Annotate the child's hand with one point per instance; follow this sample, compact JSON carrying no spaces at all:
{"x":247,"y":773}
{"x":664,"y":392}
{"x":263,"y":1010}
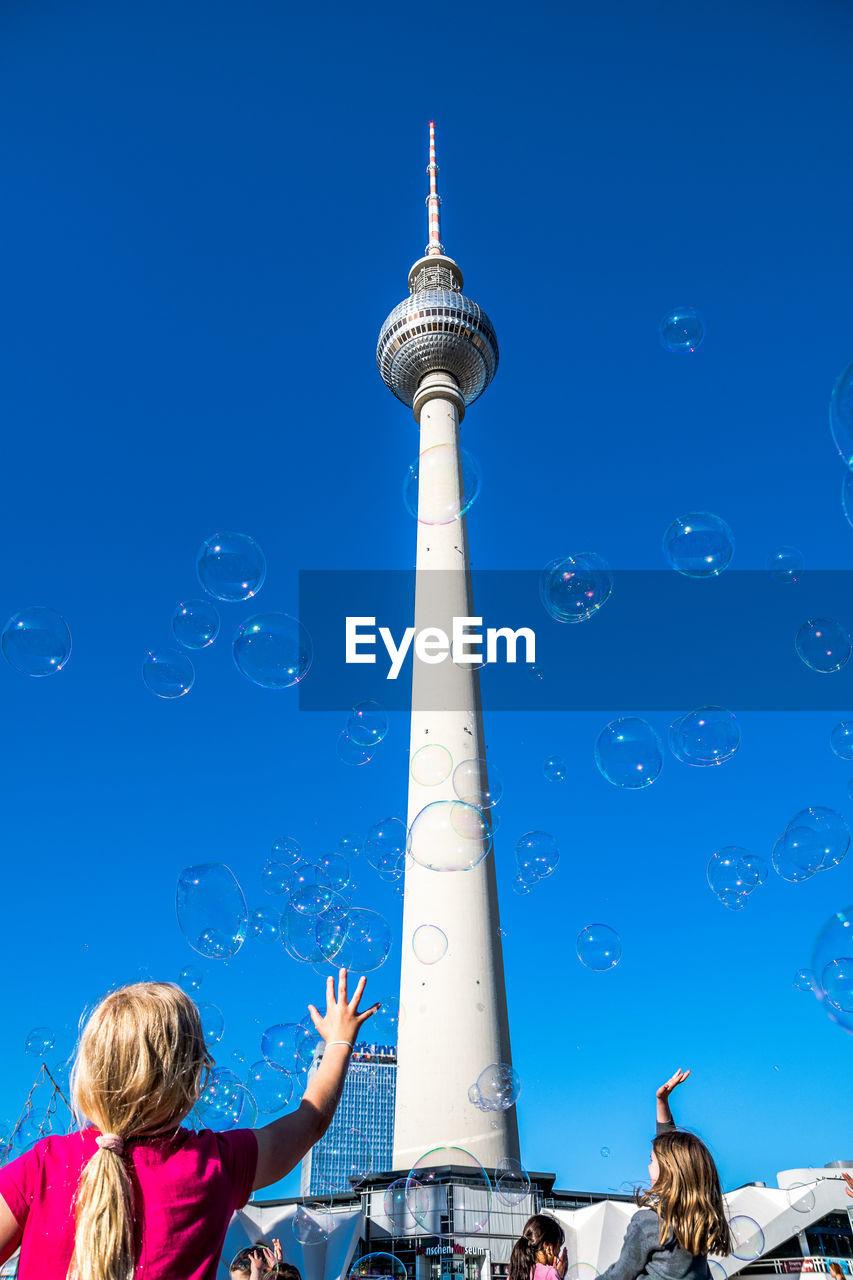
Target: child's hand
{"x":561,"y":1263}
{"x":342,"y":1020}
{"x":260,"y":1262}
{"x":276,"y":1248}
{"x":672,"y":1083}
{"x":849,"y":1181}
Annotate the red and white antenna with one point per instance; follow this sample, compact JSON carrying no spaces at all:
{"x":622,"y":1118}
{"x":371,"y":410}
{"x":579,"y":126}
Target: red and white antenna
{"x":435,"y":248}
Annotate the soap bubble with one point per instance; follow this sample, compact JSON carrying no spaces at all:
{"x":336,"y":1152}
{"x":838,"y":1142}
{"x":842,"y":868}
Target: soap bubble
{"x":431,"y":765}
{"x":440,"y":466}
{"x":287,"y":1045}
{"x":231,"y":566}
{"x":747,"y":1238}
{"x":801,"y":1197}
{"x":628,"y":753}
{"x":841,"y":740}
{"x":385,"y":1023}
{"x":273,"y":650}
{"x":349,"y":845}
{"x":804,"y":980}
{"x":396,"y":1208}
{"x":211,"y":910}
{"x":190,"y":978}
{"x":195,"y":624}
{"x":39,"y":1042}
{"x":556,"y":769}
{"x":834,"y":944}
{"x":312,"y":1223}
{"x":449,"y":835}
{"x":226,"y":1103}
{"x":520,"y":885}
{"x":512,"y":1181}
{"x":429,"y":943}
{"x":498,"y":1087}
{"x":582,"y":1270}
{"x":347,"y":1159}
{"x":599,"y":947}
{"x":605,"y":1151}
{"x":168,"y":673}
{"x":537,"y":855}
{"x":378,"y":1266}
{"x":367,"y":724}
{"x":682,"y":330}
{"x":385,"y":846}
{"x":831,"y":836}
{"x":272,"y":1087}
{"x":276,"y":878}
{"x":287,"y":851}
{"x":705,"y":737}
{"x":841,"y":414}
{"x":336,"y":870}
{"x":212,"y":1022}
{"x":837,"y":983}
{"x":717,"y":1270}
{"x":477,"y":783}
{"x":731,"y":876}
{"x":350,"y":753}
{"x":796,"y":856}
{"x":36,"y":641}
{"x":786,"y":564}
{"x":698,"y":545}
{"x":573,"y":588}
{"x":315,"y":939}
{"x":756,"y":866}
{"x":264,"y":924}
{"x":823,"y":644}
{"x":366,"y":943}
{"x":472,"y":1216}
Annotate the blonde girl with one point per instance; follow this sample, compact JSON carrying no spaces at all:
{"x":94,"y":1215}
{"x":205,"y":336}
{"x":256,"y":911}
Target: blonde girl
{"x":133,"y":1194}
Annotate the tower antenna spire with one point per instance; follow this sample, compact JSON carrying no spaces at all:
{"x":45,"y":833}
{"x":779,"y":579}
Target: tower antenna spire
{"x":435,"y":248}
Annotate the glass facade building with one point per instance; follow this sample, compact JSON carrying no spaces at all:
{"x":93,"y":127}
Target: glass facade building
{"x":360,"y":1139}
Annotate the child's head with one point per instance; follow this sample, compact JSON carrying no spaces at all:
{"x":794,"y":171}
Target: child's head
{"x":140,"y":1067}
{"x":685,"y":1190}
{"x":241,"y":1264}
{"x":540,"y":1241}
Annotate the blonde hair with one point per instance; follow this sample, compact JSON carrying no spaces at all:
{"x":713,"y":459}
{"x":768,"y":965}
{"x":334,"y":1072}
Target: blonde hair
{"x":687,"y":1196}
{"x":141,"y":1064}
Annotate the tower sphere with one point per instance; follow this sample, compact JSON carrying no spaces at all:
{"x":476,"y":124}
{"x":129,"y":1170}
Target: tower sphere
{"x":437,"y":329}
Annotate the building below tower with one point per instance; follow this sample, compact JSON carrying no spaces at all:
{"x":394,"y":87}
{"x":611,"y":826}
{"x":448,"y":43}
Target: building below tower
{"x":360,"y":1139}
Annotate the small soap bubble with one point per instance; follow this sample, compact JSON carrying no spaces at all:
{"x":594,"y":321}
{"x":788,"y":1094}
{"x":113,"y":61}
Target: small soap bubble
{"x":225,"y":1102}
{"x":39,"y":1042}
{"x":367,"y":724}
{"x":756,"y":866}
{"x":385,"y":1023}
{"x":477,"y":783}
{"x":605,"y":1151}
{"x":573,"y":588}
{"x":312,"y":1223}
{"x":271,"y":1086}
{"x":238,"y":1058}
{"x":449,"y":835}
{"x":747,"y":1238}
{"x":795,"y":855}
{"x":841,"y":740}
{"x":336,"y":870}
{"x":273,"y":650}
{"x":804,"y":980}
{"x":681,"y":330}
{"x":385,"y":846}
{"x":212,"y":1022}
{"x":350,"y":753}
{"x":705,"y":737}
{"x":276,"y":878}
{"x":168,"y":673}
{"x":732,"y":876}
{"x":512,"y":1181}
{"x":786,"y":564}
{"x":195,"y":624}
{"x":471,"y":1215}
{"x":520,"y":885}
{"x":537,"y":855}
{"x":823,"y":645}
{"x":231,"y":566}
{"x":315,"y":939}
{"x":190,"y":978}
{"x":349,"y":845}
{"x":378,"y":1266}
{"x":429,"y":943}
{"x":442,"y":501}
{"x":396,"y":1208}
{"x":801,"y":1197}
{"x":628,"y":753}
{"x":841,"y":414}
{"x":367,"y":942}
{"x":264,"y":924}
{"x":431,"y":765}
{"x":599,"y":947}
{"x":211,"y":910}
{"x":287,"y":851}
{"x":36,"y":641}
{"x":698,"y":545}
{"x":498,"y":1087}
{"x":556,"y":769}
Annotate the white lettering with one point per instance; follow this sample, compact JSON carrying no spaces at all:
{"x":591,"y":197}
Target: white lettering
{"x":354,"y":639}
{"x":397,"y":655}
{"x":432,"y":645}
{"x":462,"y":638}
{"x":511,"y":637}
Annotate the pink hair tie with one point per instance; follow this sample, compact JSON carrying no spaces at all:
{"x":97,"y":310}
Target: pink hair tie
{"x":111,"y":1142}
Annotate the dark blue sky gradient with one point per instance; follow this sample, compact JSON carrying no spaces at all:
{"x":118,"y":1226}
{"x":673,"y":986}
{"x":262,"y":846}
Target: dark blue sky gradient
{"x":208,"y":210}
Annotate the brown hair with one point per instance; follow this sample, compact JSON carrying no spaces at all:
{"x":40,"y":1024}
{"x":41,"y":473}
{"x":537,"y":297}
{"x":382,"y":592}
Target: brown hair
{"x":538,"y":1231}
{"x":141,"y":1065}
{"x":687,"y":1196}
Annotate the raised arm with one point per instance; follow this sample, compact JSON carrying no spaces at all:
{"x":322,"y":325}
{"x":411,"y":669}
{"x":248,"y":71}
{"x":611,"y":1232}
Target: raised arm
{"x":282,"y":1144}
{"x":663,"y":1117}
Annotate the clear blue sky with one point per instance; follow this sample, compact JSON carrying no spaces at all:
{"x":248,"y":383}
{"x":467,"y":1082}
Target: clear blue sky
{"x":208,"y":210}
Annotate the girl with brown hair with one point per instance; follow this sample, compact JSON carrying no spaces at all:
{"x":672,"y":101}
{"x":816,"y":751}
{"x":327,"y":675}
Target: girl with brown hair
{"x":538,"y":1253}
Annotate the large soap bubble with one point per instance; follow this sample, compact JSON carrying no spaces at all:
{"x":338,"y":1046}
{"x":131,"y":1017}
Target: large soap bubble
{"x":830,"y":832}
{"x":195,"y":624}
{"x":573,"y":588}
{"x":273,"y":650}
{"x":211,"y":910}
{"x":841,"y":414}
{"x":628,"y":753}
{"x":231,"y":566}
{"x":431,"y":765}
{"x":36,"y":641}
{"x":698,"y":545}
{"x":226,"y":1102}
{"x":378,"y":1266}
{"x":439,"y":467}
{"x":271,"y":1086}
{"x":599,"y":947}
{"x":512,"y":1181}
{"x":449,"y":835}
{"x":498,"y":1087}
{"x":288,"y":1046}
{"x":312,"y":1222}
{"x":315,"y":939}
{"x":477,"y":783}
{"x":786,"y":564}
{"x":168,"y":673}
{"x":705,"y":737}
{"x":366,"y":943}
{"x":427,"y":1205}
{"x":429,"y":943}
{"x":681,"y":330}
{"x":796,"y":855}
{"x":747,"y":1238}
{"x":823,"y":644}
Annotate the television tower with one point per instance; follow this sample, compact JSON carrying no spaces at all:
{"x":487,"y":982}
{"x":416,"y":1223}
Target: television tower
{"x":437,"y":352}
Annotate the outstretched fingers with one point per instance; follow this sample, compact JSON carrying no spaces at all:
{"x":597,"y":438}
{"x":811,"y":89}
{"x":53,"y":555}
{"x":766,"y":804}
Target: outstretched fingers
{"x":342,"y":986}
{"x":357,"y":994}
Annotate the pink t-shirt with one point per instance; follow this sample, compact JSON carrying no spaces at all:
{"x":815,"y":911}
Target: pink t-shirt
{"x":543,"y":1272}
{"x":186,"y":1187}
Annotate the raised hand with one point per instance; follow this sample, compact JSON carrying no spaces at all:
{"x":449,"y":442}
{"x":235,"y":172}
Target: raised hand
{"x":849,"y":1181}
{"x":342,"y":1019}
{"x":276,"y":1248}
{"x":672,"y":1083}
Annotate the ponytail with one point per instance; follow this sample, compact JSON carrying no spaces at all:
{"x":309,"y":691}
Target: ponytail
{"x":538,"y":1231}
{"x":103,"y":1238}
